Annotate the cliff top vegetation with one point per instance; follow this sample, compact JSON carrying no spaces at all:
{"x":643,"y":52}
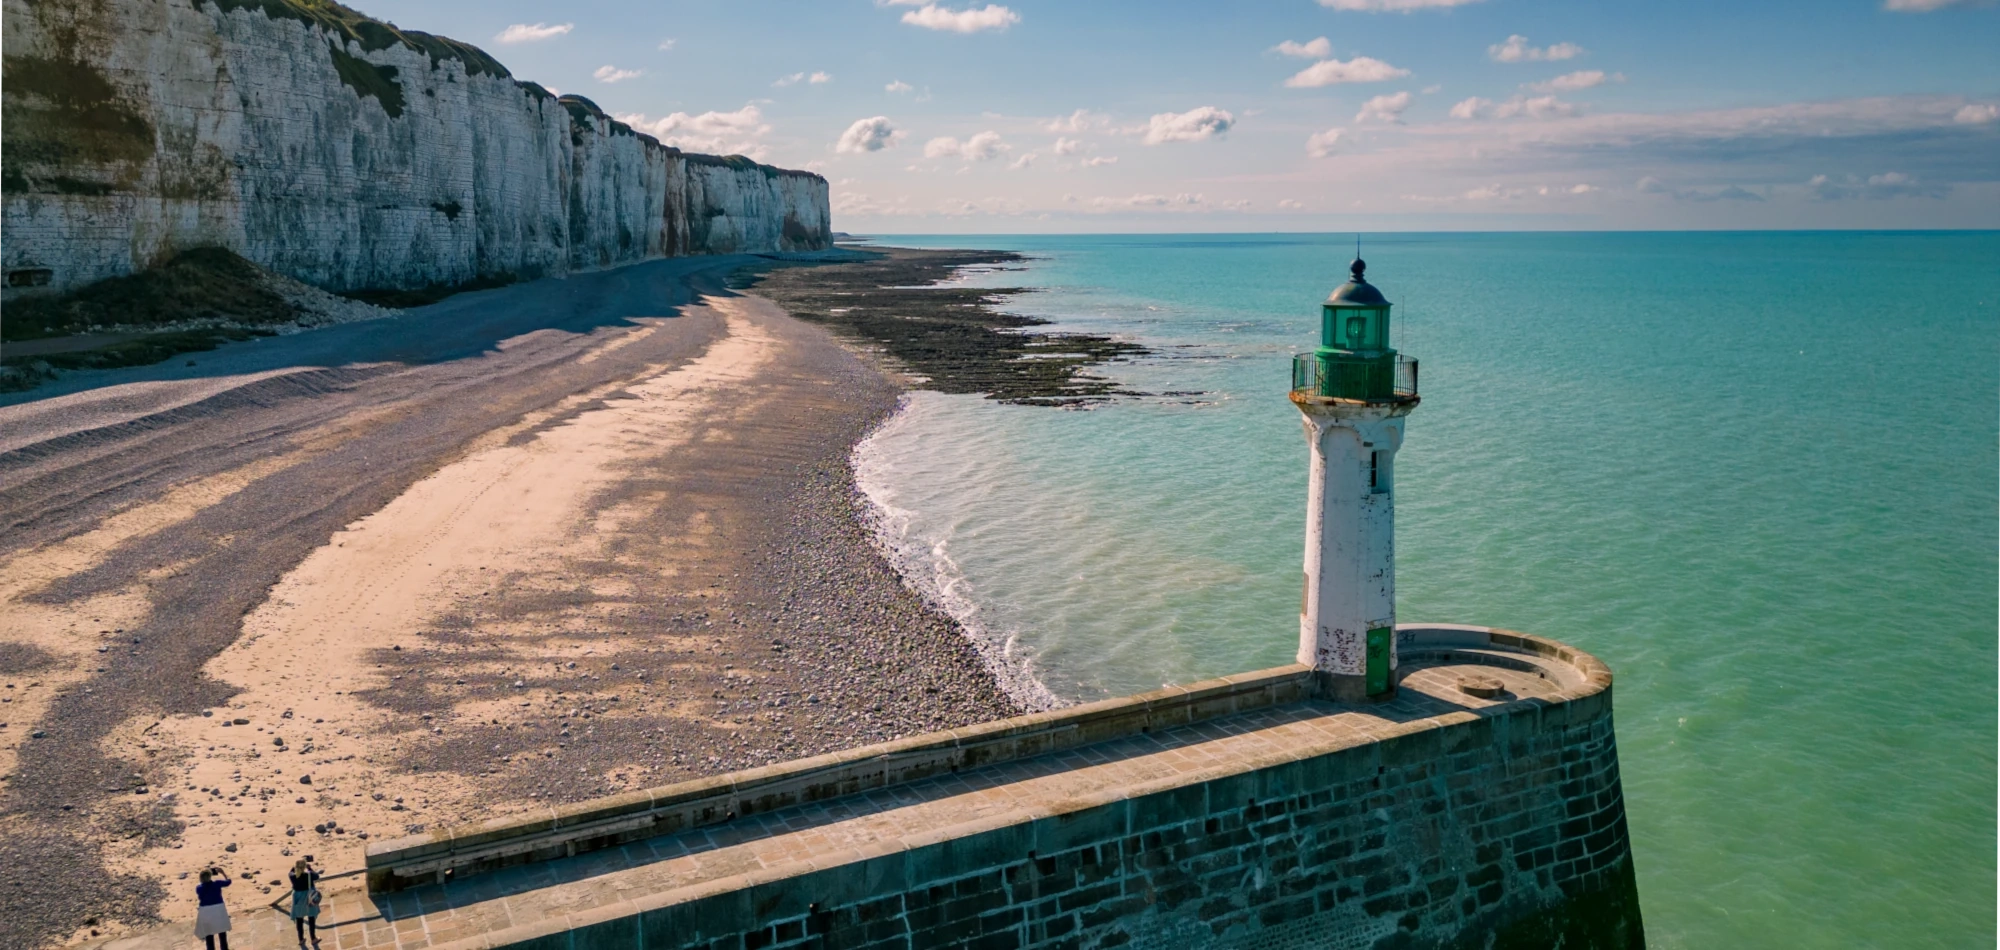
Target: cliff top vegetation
{"x":371,"y":33}
{"x":381,"y":82}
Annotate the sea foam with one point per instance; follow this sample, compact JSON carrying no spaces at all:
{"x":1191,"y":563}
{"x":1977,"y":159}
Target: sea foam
{"x":924,"y":560}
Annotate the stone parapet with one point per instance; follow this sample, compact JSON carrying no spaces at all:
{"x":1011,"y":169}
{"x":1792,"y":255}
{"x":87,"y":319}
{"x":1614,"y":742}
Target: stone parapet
{"x":446,"y":854}
{"x":1480,"y":807}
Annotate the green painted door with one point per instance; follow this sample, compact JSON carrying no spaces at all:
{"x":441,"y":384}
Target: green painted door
{"x":1379,"y":640}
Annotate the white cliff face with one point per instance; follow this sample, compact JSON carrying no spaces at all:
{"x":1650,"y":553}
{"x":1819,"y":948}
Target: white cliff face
{"x":338,"y":152}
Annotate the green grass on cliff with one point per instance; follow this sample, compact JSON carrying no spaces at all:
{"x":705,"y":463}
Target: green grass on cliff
{"x":65,"y":119}
{"x":371,"y":33}
{"x":201,"y":284}
{"x":368,"y":79}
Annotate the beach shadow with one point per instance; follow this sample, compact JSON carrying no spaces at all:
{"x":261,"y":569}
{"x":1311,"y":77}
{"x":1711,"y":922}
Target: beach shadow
{"x":462,"y":326}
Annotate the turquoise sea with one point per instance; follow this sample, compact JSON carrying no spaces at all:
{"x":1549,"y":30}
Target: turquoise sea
{"x":1754,"y":472}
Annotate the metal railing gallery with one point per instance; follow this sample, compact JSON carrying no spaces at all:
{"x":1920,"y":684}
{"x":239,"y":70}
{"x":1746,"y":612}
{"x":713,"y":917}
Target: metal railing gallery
{"x":1342,"y":376}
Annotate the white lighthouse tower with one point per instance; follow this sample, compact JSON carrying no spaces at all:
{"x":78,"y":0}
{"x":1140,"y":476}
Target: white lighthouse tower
{"x":1355,"y":392}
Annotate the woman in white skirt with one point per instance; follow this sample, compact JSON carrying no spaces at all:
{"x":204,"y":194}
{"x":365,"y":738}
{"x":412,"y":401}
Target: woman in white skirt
{"x":211,"y":922}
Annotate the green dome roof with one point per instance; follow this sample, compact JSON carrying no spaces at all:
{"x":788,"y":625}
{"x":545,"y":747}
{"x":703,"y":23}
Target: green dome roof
{"x":1357,"y":292}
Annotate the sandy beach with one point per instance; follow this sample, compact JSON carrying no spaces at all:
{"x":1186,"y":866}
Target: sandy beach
{"x":529,"y":545}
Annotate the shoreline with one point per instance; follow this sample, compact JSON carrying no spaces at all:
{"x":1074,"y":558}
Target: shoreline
{"x":690,"y":607}
{"x":1014,"y":673}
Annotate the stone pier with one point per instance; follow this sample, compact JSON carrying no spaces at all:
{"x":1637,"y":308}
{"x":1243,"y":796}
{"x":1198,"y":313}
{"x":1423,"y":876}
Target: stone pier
{"x":1479,"y":807}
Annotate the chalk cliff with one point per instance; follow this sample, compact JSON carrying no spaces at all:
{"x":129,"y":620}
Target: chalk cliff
{"x":340,"y":151}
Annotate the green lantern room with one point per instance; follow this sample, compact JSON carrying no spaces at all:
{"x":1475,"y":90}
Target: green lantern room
{"x":1354,"y":360}
{"x":1355,"y":317}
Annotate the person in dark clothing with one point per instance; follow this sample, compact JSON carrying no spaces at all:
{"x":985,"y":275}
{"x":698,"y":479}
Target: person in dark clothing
{"x":211,"y":922}
{"x":305,"y":899}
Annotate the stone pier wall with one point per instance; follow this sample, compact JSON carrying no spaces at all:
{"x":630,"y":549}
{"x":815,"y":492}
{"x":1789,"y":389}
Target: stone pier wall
{"x":1244,"y":812}
{"x":1498,"y":832}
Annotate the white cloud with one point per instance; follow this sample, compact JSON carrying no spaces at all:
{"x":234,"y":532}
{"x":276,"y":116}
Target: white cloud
{"x":1100,"y":160}
{"x":1499,"y":192}
{"x":975,"y":148}
{"x":1065,"y":146}
{"x":1978,"y":113}
{"x":1319,"y":48}
{"x":1921,"y":6}
{"x":669,"y":43}
{"x":1082,"y":120}
{"x":614,"y":74}
{"x":869,"y":135}
{"x":1194,"y":125}
{"x":1391,"y":6}
{"x":1239,"y":204}
{"x":1183,"y":200}
{"x":1874,"y":187}
{"x":817,"y":78}
{"x":1913,"y":135}
{"x":1517,"y":50}
{"x":739,"y":132}
{"x":1842,"y":118}
{"x":1571,"y":82}
{"x":1653,"y":186}
{"x":857,"y":203}
{"x":898,"y":86}
{"x":1024,"y":161}
{"x":526,"y":33}
{"x":1320,"y":144}
{"x":969,"y":20}
{"x":1384,"y":108}
{"x":1537,"y":107}
{"x":1332,"y":71}
{"x":1290,"y":204}
{"x":1494,"y":192}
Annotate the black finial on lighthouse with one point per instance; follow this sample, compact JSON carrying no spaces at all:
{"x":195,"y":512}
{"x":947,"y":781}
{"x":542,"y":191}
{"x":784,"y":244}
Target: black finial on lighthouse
{"x":1356,"y":268}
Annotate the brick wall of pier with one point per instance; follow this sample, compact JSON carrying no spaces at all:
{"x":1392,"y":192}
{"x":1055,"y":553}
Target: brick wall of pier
{"x":1505,"y":829}
{"x":1480,"y":807}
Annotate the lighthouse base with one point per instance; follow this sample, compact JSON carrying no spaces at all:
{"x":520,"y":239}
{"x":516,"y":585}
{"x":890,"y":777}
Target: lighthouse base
{"x":1346,"y":688}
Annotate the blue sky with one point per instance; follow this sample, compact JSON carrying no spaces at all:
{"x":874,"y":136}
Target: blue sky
{"x":1029,"y":116}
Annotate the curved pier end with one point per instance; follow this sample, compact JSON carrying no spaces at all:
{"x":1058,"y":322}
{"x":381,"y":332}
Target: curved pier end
{"x":1548,"y":690}
{"x":1478,"y":807}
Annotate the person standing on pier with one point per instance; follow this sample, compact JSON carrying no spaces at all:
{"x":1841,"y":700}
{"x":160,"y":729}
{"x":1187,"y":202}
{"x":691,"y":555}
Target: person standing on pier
{"x":305,"y":900}
{"x":211,"y":922}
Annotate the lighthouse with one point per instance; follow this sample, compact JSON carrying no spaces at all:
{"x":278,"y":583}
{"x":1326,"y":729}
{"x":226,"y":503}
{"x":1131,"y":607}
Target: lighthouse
{"x":1355,"y":392}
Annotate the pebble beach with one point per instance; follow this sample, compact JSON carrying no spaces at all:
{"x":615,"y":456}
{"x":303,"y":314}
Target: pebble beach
{"x":273,"y":605}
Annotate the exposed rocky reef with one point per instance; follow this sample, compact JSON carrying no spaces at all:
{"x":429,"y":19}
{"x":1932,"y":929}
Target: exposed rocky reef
{"x":340,"y":151}
{"x":953,"y":337}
